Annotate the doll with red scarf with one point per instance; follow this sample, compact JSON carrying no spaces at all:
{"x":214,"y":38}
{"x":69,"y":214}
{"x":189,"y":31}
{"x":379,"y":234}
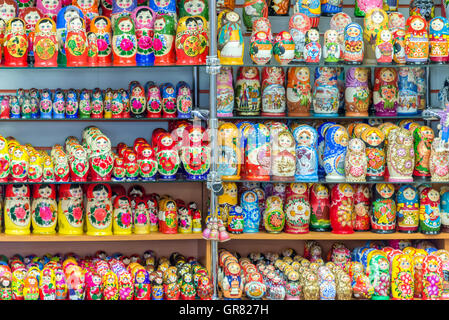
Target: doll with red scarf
{"x":416,"y":40}
{"x":76,"y":43}
{"x":93,"y":286}
{"x":31,"y":16}
{"x":15,"y":44}
{"x":131,"y":166}
{"x":195,"y":153}
{"x":47,"y":285}
{"x":167,"y":156}
{"x":146,"y":159}
{"x":168,"y":216}
{"x":342,"y":208}
{"x":45,"y":44}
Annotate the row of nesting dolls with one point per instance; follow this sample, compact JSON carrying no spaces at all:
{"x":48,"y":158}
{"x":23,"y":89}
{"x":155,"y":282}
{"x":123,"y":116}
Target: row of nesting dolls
{"x":344,"y":209}
{"x":139,"y":37}
{"x":253,"y":9}
{"x":356,"y":153}
{"x":399,"y":91}
{"x":93,"y":160}
{"x":100,"y":216}
{"x":149,"y":101}
{"x":103,"y":277}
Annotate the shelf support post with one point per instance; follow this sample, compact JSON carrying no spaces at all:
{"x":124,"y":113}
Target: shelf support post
{"x":196,"y":87}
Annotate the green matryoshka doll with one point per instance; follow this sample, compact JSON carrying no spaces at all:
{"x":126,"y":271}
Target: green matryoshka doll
{"x":378,"y":271}
{"x":189,"y":8}
{"x":163,"y":40}
{"x":124,"y":42}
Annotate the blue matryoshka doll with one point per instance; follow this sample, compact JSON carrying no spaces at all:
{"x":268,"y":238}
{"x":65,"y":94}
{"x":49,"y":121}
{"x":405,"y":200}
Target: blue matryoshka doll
{"x":257,"y":152}
{"x":353,"y":44}
{"x":45,"y":105}
{"x":164,"y":7}
{"x":444,"y":207}
{"x":408,"y":92}
{"x":59,"y":104}
{"x":306,"y":153}
{"x":438,"y":35}
{"x":14,"y":107}
{"x":71,"y":106}
{"x":251,"y":212}
{"x":184,"y":100}
{"x":168,"y":94}
{"x":336,"y":143}
{"x":34,"y":100}
{"x":331,"y":7}
{"x":321,"y":132}
{"x":64,"y":16}
{"x":326,"y":95}
{"x":154,"y":100}
{"x":122,"y":8}
{"x":407,"y":209}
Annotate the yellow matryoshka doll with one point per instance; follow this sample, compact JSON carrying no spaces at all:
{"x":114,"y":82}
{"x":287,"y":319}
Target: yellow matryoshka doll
{"x":17,"y":209}
{"x":5,"y":160}
{"x":70,"y":209}
{"x":44,"y":209}
{"x":375,"y":21}
{"x":227,"y":200}
{"x":99,"y":210}
{"x":402,"y":284}
{"x":19,"y":164}
{"x":230,"y":39}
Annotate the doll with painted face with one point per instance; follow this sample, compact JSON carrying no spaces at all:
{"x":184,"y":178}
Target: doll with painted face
{"x":137,"y":100}
{"x":195,"y":154}
{"x":76,"y":43}
{"x":374,"y":22}
{"x":438,"y":38}
{"x":230,"y":39}
{"x":258,"y":153}
{"x":225,"y":92}
{"x":261,"y":47}
{"x":164,"y":7}
{"x":384,"y":47}
{"x":248,"y":91}
{"x":408,"y":92}
{"x":299,"y":24}
{"x":429,"y":211}
{"x":433,"y":277}
{"x":15,"y":43}
{"x":439,"y":161}
{"x":357,"y":92}
{"x":49,"y":8}
{"x":284,"y":47}
{"x":92,"y":49}
{"x":283,"y":156}
{"x":356,"y":161}
{"x":416,"y":40}
{"x":378,"y":272}
{"x":124,"y":42}
{"x":374,"y":140}
{"x":44,"y":209}
{"x":89,"y":8}
{"x":325,"y":92}
{"x":101,"y":26}
{"x":252,"y":10}
{"x":400,"y":155}
{"x":338,"y":22}
{"x":17,"y":211}
{"x":45,"y":44}
{"x":122,"y":8}
{"x":168,"y":216}
{"x":297,"y":208}
{"x":402,"y":277}
{"x":190,"y":8}
{"x":383,"y":217}
{"x":336,"y":143}
{"x":385,"y":91}
{"x":154,"y":100}
{"x":187,"y":41}
{"x":353,"y":47}
{"x":312,"y":47}
{"x":147,"y":163}
{"x":331,"y":49}
{"x":423,"y":137}
{"x":167,"y":157}
{"x":362,"y":206}
{"x":230,"y":157}
{"x":306,"y":153}
{"x":251,"y":212}
{"x":99,"y":210}
{"x":310,"y":8}
{"x":31,"y":15}
{"x":19,"y":163}
{"x":65,"y":15}
{"x":273,"y":91}
{"x":8,"y":10}
{"x":320,"y":204}
{"x":144,"y":19}
{"x":408,"y":209}
{"x":164,"y":40}
{"x":299,"y":95}
{"x":70,"y":209}
{"x":168,"y":93}
{"x":342,"y":209}
{"x":274,"y":216}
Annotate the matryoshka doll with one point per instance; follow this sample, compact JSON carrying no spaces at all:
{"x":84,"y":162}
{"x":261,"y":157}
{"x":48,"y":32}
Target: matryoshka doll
{"x":433,"y":278}
{"x":76,"y":43}
{"x":44,"y":209}
{"x":196,"y":155}
{"x":362,"y":7}
{"x":230,"y":156}
{"x":138,"y":103}
{"x":47,"y":290}
{"x":97,"y":104}
{"x":99,"y":210}
{"x":8,"y":10}
{"x":89,"y":8}
{"x":338,"y":22}
{"x":402,"y":285}
{"x":101,"y":26}
{"x":184,"y":100}
{"x":439,"y":161}
{"x":357,"y":92}
{"x":336,"y":143}
{"x":283,"y":156}
{"x":17,"y":211}
{"x":121,"y":9}
{"x":230,"y":47}
{"x":261,"y":47}
{"x":325,"y":98}
{"x":353,"y":47}
{"x":163,"y":40}
{"x":248,"y":92}
{"x":167,"y":157}
{"x":251,"y":212}
{"x":92,"y":49}
{"x":310,"y":8}
{"x":284,"y":47}
{"x":31,"y":15}
{"x":154,"y":100}
{"x":252,"y":10}
{"x":5,"y":159}
{"x":299,"y":92}
{"x":356,"y":161}
{"x":306,"y":153}
{"x":124,"y":42}
{"x":383,"y":217}
{"x":168,"y":216}
{"x":19,"y":163}
{"x":49,"y":8}
{"x":374,"y":22}
{"x":164,"y":7}
{"x":297,"y":208}
{"x":64,"y":16}
{"x":225,"y":92}
{"x":93,"y":286}
{"x":146,"y":159}
{"x":400,"y":155}
{"x":312,"y":47}
{"x":378,"y":272}
{"x":168,"y":94}
{"x":375,"y":154}
{"x":416,"y":40}
{"x":423,"y":137}
{"x":110,"y":286}
{"x":70,"y":209}
{"x":320,"y":206}
{"x":362,"y":204}
{"x":408,"y":92}
{"x":384,"y":47}
{"x":141,"y":221}
{"x":15,"y":44}
{"x":258,"y":153}
{"x":299,"y":24}
{"x":273,"y":91}
{"x":342,"y":209}
{"x":407,"y":205}
{"x":187,"y":42}
{"x":438,"y":38}
{"x":429,"y":211}
{"x":274,"y":216}
{"x":385,"y":91}
{"x":331,"y":48}
{"x":189,"y":8}
{"x":131,"y":165}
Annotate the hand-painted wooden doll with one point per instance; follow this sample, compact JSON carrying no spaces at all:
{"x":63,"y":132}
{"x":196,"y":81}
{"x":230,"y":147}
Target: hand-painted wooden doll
{"x":408,"y":92}
{"x":49,"y":9}
{"x":230,"y":40}
{"x":70,"y":209}
{"x":375,"y":154}
{"x":189,"y":8}
{"x":76,"y":43}
{"x":385,"y":91}
{"x":184,"y":100}
{"x":338,"y":22}
{"x":253,"y":9}
{"x":154,"y":100}
{"x":306,"y":153}
{"x":331,"y":48}
{"x":336,"y":143}
{"x":378,"y":272}
{"x":356,"y":161}
{"x":362,"y":206}
{"x":147,"y":163}
{"x":274,"y":216}
{"x":88,"y":8}
{"x":439,"y":161}
{"x":248,"y":91}
{"x":284,"y":47}
{"x":297,"y":208}
{"x":19,"y":163}
{"x":258,"y":153}
{"x":261,"y":47}
{"x":357,"y":93}
{"x":416,"y":40}
{"x":92,"y":49}
{"x":384,"y":47}
{"x":353,"y":48}
{"x":433,"y":278}
{"x":283,"y":156}
{"x":195,"y":155}
{"x":17,"y":211}
{"x":168,"y":216}
{"x":64,"y":16}
{"x":408,"y":209}
{"x":400,"y":155}
{"x":342,"y":209}
{"x":423,"y":137}
{"x":230,"y":157}
{"x":429,"y":211}
{"x":311,"y":8}
{"x":44,"y":209}
{"x":167,"y":157}
{"x":402,"y":285}
{"x":163,"y":40}
{"x":168,"y":93}
{"x":124,"y":42}
{"x":383,"y":218}
{"x":101,"y":26}
{"x":137,"y":100}
{"x":312,"y":47}
{"x":15,"y":44}
{"x":273,"y":91}
{"x":438,"y":38}
{"x":299,"y":24}
{"x":99,"y":210}
{"x":251,"y":212}
{"x":31,"y":15}
{"x":299,"y":95}
{"x":121,"y":9}
{"x":325,"y":92}
{"x":225,"y":92}
{"x":187,"y":42}
{"x":164,"y":7}
{"x":320,"y":208}
{"x":144,"y":19}
{"x":45,"y":44}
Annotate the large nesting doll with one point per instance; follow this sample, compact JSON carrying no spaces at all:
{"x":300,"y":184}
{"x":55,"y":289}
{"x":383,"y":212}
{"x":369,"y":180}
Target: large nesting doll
{"x":342,"y":209}
{"x":258,"y":153}
{"x":248,"y":92}
{"x":144,"y":19}
{"x":76,"y":43}
{"x":375,"y":21}
{"x":378,"y":271}
{"x":429,"y":211}
{"x":306,"y":153}
{"x":407,"y":92}
{"x":64,"y":16}
{"x":70,"y":209}
{"x":45,"y":44}
{"x":225,"y":92}
{"x":230,"y":46}
{"x":44,"y":209}
{"x":362,"y":206}
{"x":357,"y":92}
{"x":374,"y":146}
{"x":385,"y":92}
{"x":187,"y":41}
{"x":336,"y":143}
{"x":423,"y":137}
{"x":164,"y":40}
{"x":195,"y":155}
{"x":124,"y":42}
{"x":299,"y":92}
{"x":15,"y":43}
{"x":101,"y":26}
{"x":273,"y":91}
{"x":297,"y":208}
{"x":99,"y":210}
{"x":407,"y":205}
{"x":383,"y":217}
{"x":320,"y":206}
{"x":325,"y":99}
{"x":283,"y":156}
{"x":229,"y":152}
{"x":17,"y":209}
{"x":400,"y":155}
{"x":353,"y":47}
{"x":416,"y":40}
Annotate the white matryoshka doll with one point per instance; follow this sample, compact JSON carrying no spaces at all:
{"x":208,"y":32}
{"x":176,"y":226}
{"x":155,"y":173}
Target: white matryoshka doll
{"x":355,"y":161}
{"x":297,"y":208}
{"x":306,"y":153}
{"x":230,"y":154}
{"x":336,"y":143}
{"x":17,"y":210}
{"x":70,"y":209}
{"x":325,"y":99}
{"x":225,"y":92}
{"x":99,"y":210}
{"x":44,"y":209}
{"x":273,"y":91}
{"x":257,"y":153}
{"x":283,"y":156}
{"x":299,"y":24}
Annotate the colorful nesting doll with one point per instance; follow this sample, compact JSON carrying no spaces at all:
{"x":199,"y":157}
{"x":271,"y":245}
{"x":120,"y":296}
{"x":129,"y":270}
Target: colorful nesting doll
{"x":251,"y":212}
{"x":99,"y":210}
{"x":331,"y":47}
{"x":101,"y":26}
{"x":407,"y":205}
{"x":17,"y":209}
{"x":362,"y":206}
{"x":283,"y":156}
{"x":15,"y":45}
{"x":299,"y":24}
{"x":353,"y":47}
{"x":253,"y":9}
{"x":70,"y":209}
{"x":432,"y":278}
{"x":196,"y":153}
{"x":297,"y":208}
{"x":284,"y":48}
{"x":312,"y":47}
{"x":416,"y":40}
{"x":374,"y":145}
{"x":45,"y":44}
{"x":274,"y":216}
{"x":438,"y":38}
{"x":248,"y":91}
{"x":429,"y":211}
{"x":355,"y":161}
{"x":273,"y":91}
{"x":400,"y":155}
{"x":258,"y":153}
{"x":63,"y":18}
{"x":144,"y":19}
{"x":261,"y":47}
{"x":385,"y":92}
{"x":225,"y":92}
{"x":320,"y":206}
{"x":363,"y":7}
{"x":163,"y":40}
{"x":383,"y":217}
{"x":306,"y":153}
{"x":167,"y":157}
{"x":230,"y":46}
{"x":325,"y":96}
{"x":423,"y":137}
{"x":44,"y":209}
{"x":336,"y":143}
{"x":342,"y":209}
{"x":187,"y":42}
{"x":378,"y":272}
{"x":408,"y":92}
{"x":299,"y":92}
{"x":76,"y":43}
{"x":124,"y":42}
{"x":375,"y":21}
{"x":230,"y":157}
{"x":357,"y":92}
{"x":439,"y":161}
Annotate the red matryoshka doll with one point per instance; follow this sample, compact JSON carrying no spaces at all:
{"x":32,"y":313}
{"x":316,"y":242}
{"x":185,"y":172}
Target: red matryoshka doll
{"x":99,"y":210}
{"x":362,"y":207}
{"x":297,"y":208}
{"x":257,"y":153}
{"x":438,"y":36}
{"x":299,"y":92}
{"x":47,"y":290}
{"x":203,"y":35}
{"x":45,"y":46}
{"x":342,"y":209}
{"x":432,"y":278}
{"x":187,"y":42}
{"x":320,"y":206}
{"x":119,"y":171}
{"x":49,"y":8}
{"x":248,"y":92}
{"x":89,"y":8}
{"x":195,"y":155}
{"x":168,"y":216}
{"x":429,"y":211}
{"x":163,"y":40}
{"x":384,"y":47}
{"x":70,"y":209}
{"x":19,"y":163}
{"x":402,"y":284}
{"x":385,"y":91}
{"x":144,"y":18}
{"x":167,"y":157}
{"x":273,"y":91}
{"x":416,"y":40}
{"x":31,"y":15}
{"x":93,"y":286}
{"x":76,"y":43}
{"x":383,"y":217}
{"x":423,"y":137}
{"x":284,"y":48}
{"x":131,"y":165}
{"x":17,"y":211}
{"x":153,"y":100}
{"x":101,"y":26}
{"x":261,"y":47}
{"x":15,"y":44}
{"x":375,"y":154}
{"x":146,"y":160}
{"x":44,"y":209}
{"x":122,"y":216}
{"x":124,"y":42}
{"x":357,"y":92}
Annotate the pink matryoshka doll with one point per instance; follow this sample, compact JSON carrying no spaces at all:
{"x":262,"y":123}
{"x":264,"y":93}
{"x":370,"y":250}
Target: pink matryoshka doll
{"x":342,"y":208}
{"x":385,"y":91}
{"x":49,"y":8}
{"x":416,"y":40}
{"x":144,"y":19}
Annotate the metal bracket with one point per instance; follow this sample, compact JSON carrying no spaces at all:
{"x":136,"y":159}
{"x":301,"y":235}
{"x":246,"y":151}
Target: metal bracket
{"x":213,"y":65}
{"x":213,"y":123}
{"x":214,"y":183}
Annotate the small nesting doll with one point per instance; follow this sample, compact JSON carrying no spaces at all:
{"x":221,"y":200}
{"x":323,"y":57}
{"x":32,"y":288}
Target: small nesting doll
{"x":297,"y":208}
{"x":122,"y":216}
{"x":284,"y":47}
{"x":356,"y":161}
{"x":225,"y":92}
{"x":101,"y":26}
{"x":261,"y":47}
{"x":230,"y":157}
{"x":312,"y":47}
{"x":168,"y":216}
{"x":99,"y":210}
{"x":384,"y":47}
{"x":137,"y":100}
{"x":141,"y":221}
{"x":353,"y":50}
{"x":375,"y":154}
{"x":320,"y":204}
{"x":58,"y":103}
{"x":407,"y":205}
{"x":433,"y":278}
{"x":306,"y":153}
{"x":84,"y":104}
{"x":336,"y":143}
{"x":248,"y":91}
{"x":70,"y":209}
{"x":342,"y":209}
{"x":273,"y":91}
{"x":362,"y":204}
{"x":19,"y":163}
{"x":92,"y":49}
{"x":258,"y":153}
{"x":438,"y":38}
{"x":167,"y":157}
{"x":283,"y":156}
{"x":429,"y":211}
{"x":423,"y":137}
{"x":378,"y":272}
{"x":131,"y":165}
{"x":383,"y":217}
{"x":44,"y":209}
{"x":124,"y":42}
{"x":325,"y":99}
{"x":274,"y":216}
{"x":400,"y":155}
{"x":375,"y":21}
{"x":184,"y":100}
{"x":168,"y":94}
{"x":299,"y":24}
{"x":416,"y":40}
{"x":15,"y":44}
{"x":299,"y":92}
{"x":385,"y":92}
{"x":76,"y":43}
{"x":357,"y":92}
{"x":331,"y":48}
{"x":230,"y":40}
{"x":17,"y":211}
{"x":97,"y":104}
{"x":251,"y":212}
{"x":154,"y":100}
{"x":146,"y":160}
{"x":71,"y":106}
{"x":439,"y":161}
{"x":45,"y":44}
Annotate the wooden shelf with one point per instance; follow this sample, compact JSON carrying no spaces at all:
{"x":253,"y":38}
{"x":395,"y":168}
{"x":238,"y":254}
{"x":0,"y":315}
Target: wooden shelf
{"x":86,"y":238}
{"x":336,"y":237}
